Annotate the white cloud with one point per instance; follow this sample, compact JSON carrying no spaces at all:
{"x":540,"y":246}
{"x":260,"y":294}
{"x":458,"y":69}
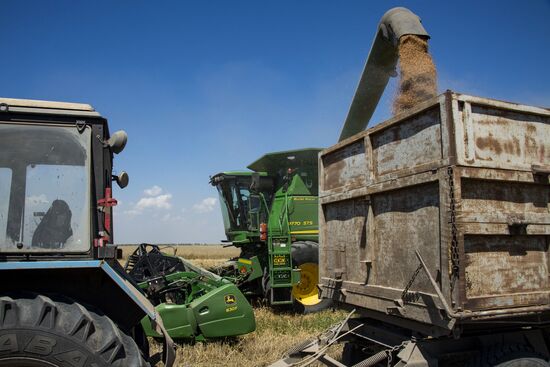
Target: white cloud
{"x":169,"y":217}
{"x":150,"y":201}
{"x":37,"y":200}
{"x":153,"y":191}
{"x":159,"y":202}
{"x":206,"y":205}
{"x":132,"y":212}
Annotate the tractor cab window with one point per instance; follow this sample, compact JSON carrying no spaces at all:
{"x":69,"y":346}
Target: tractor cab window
{"x":50,"y":218}
{"x":44,"y":188}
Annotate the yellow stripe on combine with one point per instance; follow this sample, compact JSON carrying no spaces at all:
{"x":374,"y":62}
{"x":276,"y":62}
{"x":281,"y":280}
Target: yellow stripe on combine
{"x":312,"y":231}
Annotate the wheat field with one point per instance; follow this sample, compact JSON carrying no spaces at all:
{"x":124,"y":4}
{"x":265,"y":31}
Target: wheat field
{"x":201,"y":255}
{"x":275,"y":333}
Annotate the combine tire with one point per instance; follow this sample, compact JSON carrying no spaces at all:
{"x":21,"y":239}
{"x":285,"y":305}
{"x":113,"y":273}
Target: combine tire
{"x":305,"y":255}
{"x":45,"y":331}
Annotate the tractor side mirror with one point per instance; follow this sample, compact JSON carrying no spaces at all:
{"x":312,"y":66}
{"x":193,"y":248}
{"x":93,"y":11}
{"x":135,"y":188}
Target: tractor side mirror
{"x":117,"y":141}
{"x":122,"y":179}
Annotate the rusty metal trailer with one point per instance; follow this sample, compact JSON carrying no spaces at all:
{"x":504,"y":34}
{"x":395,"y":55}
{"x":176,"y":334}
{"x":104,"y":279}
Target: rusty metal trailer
{"x":435,"y":227}
{"x":440,"y":216}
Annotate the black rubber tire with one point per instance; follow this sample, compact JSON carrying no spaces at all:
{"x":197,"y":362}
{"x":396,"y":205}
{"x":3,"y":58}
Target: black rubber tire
{"x":524,"y":362}
{"x":51,"y":330}
{"x":518,"y":355}
{"x":352,"y":354}
{"x":307,"y":252}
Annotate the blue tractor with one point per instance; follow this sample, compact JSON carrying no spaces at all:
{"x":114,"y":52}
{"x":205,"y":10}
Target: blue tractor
{"x":64,"y":299}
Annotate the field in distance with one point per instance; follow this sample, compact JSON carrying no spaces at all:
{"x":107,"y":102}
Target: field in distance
{"x":276,"y":331}
{"x":205,"y":256}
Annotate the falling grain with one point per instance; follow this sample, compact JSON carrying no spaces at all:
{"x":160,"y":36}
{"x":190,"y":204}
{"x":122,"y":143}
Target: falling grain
{"x":417,"y":74}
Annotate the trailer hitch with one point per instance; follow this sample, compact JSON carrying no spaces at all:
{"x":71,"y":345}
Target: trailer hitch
{"x":315,"y":349}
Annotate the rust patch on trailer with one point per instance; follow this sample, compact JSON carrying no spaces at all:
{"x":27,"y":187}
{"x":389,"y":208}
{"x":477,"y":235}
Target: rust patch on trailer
{"x":512,"y":147}
{"x":345,"y":167}
{"x":505,"y":266}
{"x":489,"y":143}
{"x":531,"y":145}
{"x":503,"y":197}
{"x":507,"y":139}
{"x":332,"y":173}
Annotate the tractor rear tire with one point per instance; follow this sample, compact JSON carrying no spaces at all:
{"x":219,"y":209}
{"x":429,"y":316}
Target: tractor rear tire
{"x":305,"y":255}
{"x":44,"y":331}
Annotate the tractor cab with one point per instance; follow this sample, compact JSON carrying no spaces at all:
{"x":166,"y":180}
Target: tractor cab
{"x":55,"y":171}
{"x":56,"y":239}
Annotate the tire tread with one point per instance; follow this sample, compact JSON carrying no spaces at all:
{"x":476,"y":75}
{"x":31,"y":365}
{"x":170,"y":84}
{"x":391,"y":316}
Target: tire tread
{"x":84,"y":326}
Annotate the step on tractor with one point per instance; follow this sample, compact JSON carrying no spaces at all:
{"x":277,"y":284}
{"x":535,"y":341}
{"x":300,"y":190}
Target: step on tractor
{"x":270,"y":213}
{"x":65,"y":300}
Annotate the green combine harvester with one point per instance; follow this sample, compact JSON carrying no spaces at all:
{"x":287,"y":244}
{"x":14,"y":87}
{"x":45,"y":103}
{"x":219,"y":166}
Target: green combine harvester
{"x":270,"y":213}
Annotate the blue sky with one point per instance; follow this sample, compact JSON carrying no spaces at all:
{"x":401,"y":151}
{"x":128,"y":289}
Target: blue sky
{"x":207,"y":86}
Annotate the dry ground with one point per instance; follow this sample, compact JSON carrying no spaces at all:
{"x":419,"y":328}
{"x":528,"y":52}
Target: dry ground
{"x":275,"y":332}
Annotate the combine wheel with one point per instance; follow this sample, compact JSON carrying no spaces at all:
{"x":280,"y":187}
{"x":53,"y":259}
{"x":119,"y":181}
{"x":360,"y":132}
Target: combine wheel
{"x":305,"y":255}
{"x":45,"y":331}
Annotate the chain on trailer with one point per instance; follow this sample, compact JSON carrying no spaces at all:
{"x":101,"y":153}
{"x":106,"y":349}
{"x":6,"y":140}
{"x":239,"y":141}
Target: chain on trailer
{"x":455,"y":257}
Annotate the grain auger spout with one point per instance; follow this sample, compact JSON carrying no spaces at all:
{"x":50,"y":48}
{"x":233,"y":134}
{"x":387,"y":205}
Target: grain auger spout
{"x":380,"y":66}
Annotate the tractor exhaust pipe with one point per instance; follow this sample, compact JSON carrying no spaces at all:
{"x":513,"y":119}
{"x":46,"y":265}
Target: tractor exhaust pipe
{"x":380,"y":66}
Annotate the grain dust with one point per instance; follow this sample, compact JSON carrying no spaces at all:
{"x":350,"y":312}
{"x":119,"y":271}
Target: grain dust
{"x":417,"y":74}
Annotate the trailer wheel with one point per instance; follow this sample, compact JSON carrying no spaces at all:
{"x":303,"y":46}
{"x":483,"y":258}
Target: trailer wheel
{"x":509,"y":356}
{"x":352,"y":354}
{"x":524,"y":362}
{"x":44,"y":331}
{"x":305,"y":256}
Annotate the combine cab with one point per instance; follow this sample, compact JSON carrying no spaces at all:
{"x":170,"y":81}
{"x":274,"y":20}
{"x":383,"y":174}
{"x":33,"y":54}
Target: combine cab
{"x":270,"y":213}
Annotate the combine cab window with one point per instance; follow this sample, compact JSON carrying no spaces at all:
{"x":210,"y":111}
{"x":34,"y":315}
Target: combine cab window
{"x":234,"y":202}
{"x":45,"y":201}
{"x":237,"y":202}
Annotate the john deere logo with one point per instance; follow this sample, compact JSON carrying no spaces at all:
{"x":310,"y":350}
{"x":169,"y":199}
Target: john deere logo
{"x":230,"y":299}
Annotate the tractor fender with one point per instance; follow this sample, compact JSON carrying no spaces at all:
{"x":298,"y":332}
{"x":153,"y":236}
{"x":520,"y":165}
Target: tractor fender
{"x":93,"y":282}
